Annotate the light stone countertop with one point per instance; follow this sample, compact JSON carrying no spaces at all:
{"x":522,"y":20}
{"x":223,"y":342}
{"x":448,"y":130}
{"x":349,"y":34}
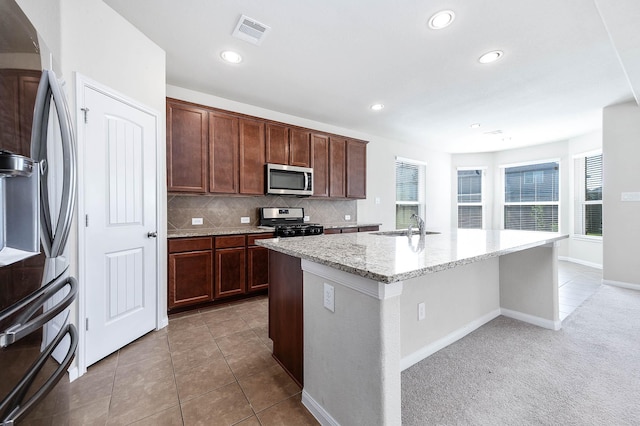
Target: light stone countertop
{"x":389,"y":259}
{"x":212,"y":232}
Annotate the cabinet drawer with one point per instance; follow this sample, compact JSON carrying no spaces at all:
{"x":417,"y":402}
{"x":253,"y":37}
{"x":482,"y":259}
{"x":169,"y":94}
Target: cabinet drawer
{"x":189,"y":244}
{"x":251,"y":239}
{"x":368,"y":228}
{"x":349,"y":230}
{"x":230,"y":241}
{"x":332,"y":230}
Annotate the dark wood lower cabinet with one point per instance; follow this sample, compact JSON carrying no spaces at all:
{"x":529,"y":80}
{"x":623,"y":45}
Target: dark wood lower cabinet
{"x":351,"y":229}
{"x":205,"y":269}
{"x":190,"y":272}
{"x":285,"y":313}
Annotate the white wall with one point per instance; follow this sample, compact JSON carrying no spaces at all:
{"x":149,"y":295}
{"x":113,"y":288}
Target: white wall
{"x":88,"y":37}
{"x":381,"y":155}
{"x":582,"y":250}
{"x":621,"y":220}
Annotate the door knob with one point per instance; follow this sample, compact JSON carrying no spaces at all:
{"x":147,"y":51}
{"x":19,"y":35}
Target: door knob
{"x":152,"y":234}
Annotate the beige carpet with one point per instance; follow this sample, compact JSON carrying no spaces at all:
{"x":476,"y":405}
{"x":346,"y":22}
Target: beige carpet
{"x":512,"y":373}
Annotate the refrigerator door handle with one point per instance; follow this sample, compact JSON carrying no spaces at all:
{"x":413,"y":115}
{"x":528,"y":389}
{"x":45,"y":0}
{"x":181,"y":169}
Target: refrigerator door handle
{"x":54,"y":239}
{"x":12,"y":407}
{"x":24,"y":324}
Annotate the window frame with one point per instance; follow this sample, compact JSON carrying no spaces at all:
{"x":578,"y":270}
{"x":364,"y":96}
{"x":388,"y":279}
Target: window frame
{"x":580,"y":202}
{"x":482,"y":202}
{"x":421,"y":190}
{"x":504,"y":203}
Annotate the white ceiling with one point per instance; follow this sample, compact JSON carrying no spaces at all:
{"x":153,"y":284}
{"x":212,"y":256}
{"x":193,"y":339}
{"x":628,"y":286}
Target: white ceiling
{"x":330,"y":60}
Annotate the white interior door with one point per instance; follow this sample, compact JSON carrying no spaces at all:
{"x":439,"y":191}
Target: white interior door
{"x":120,"y":203}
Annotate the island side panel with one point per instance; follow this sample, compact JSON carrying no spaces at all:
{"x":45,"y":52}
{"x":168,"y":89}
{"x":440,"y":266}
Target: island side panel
{"x":352,"y":355}
{"x":529,"y":286}
{"x":457,"y":301}
{"x":285,"y":313}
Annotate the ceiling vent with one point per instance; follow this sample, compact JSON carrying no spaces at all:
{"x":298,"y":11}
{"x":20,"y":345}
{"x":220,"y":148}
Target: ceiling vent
{"x":248,"y":29}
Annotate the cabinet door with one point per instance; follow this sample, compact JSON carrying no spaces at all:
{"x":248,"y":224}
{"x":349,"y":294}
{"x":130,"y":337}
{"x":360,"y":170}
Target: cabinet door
{"x":252,"y":157}
{"x":257,"y":268}
{"x":337,"y":167}
{"x":190,"y":278}
{"x":187,"y":148}
{"x":277,"y":150}
{"x":230,"y":272}
{"x":299,"y":147}
{"x":356,"y":169}
{"x":223,"y":153}
{"x":320,"y":164}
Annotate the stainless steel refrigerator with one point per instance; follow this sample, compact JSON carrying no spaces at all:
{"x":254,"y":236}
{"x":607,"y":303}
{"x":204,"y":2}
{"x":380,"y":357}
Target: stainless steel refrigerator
{"x":37,"y":198}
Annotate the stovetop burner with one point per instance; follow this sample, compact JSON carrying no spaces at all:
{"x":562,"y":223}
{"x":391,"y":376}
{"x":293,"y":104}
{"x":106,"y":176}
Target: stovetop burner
{"x":288,"y":221}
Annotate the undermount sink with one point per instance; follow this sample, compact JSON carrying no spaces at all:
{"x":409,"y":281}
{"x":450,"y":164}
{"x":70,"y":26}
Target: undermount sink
{"x":402,"y":233}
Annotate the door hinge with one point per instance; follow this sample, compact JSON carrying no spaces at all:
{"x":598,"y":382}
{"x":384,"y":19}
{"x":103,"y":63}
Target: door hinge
{"x":85,"y":110}
{"x":86,"y":220}
{"x":86,"y":324}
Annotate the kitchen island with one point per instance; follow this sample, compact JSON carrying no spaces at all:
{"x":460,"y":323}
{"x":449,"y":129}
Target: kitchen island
{"x":374,"y":304}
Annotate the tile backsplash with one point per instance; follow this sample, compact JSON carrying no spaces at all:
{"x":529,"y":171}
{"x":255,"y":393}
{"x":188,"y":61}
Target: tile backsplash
{"x":225,"y":212}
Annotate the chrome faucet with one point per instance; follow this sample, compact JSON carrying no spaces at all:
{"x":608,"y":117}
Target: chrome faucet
{"x":420,"y":223}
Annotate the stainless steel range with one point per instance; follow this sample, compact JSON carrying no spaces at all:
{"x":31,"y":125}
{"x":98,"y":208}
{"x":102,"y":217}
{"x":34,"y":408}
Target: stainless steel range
{"x":288,"y":221}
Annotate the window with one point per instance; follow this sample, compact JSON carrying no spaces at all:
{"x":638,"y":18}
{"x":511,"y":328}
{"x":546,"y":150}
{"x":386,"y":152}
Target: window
{"x":531,"y":197}
{"x":410,"y":190}
{"x":470,"y":198}
{"x":588,"y":195}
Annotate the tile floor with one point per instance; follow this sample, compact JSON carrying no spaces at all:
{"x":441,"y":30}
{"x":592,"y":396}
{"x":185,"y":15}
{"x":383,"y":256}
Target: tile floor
{"x":212,"y":367}
{"x":576,"y":284}
{"x":208,"y":367}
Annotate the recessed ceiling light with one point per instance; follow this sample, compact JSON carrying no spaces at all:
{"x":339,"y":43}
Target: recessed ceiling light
{"x":376,"y":107}
{"x":489,"y":57}
{"x":231,"y":57}
{"x":475,"y":125}
{"x":441,"y":19}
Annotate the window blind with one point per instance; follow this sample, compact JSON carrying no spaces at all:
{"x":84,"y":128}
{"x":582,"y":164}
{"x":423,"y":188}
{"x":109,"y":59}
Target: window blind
{"x":470,"y":199}
{"x":410,"y":189}
{"x":531,"y":195}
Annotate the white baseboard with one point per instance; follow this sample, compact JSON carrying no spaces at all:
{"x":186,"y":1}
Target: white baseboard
{"x":317,"y":410}
{"x":450,"y":338}
{"x":73,"y":373}
{"x":531,"y":319}
{"x":581,"y":262}
{"x":622,"y":284}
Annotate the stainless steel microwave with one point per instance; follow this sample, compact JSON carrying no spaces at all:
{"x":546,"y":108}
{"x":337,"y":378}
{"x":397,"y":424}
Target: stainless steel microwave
{"x":289,"y":180}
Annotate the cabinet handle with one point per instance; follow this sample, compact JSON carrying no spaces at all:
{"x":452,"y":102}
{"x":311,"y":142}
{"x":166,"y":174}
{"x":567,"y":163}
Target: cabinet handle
{"x":153,"y":234}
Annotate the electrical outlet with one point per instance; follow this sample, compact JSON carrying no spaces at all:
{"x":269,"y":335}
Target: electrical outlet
{"x":421,"y":311}
{"x":196,"y":221}
{"x":347,"y":217}
{"x":377,"y":200}
{"x":245,"y":219}
{"x":307,"y":218}
{"x":329,"y":300}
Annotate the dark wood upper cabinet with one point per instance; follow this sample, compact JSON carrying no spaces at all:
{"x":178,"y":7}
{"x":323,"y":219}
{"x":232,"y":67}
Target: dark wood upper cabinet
{"x":187,"y":148}
{"x":356,"y":166}
{"x":277,"y":150}
{"x":337,"y":157}
{"x":223,"y":153}
{"x":252,"y":157}
{"x":320,"y":164}
{"x":299,"y":147}
{"x":290,"y":146}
